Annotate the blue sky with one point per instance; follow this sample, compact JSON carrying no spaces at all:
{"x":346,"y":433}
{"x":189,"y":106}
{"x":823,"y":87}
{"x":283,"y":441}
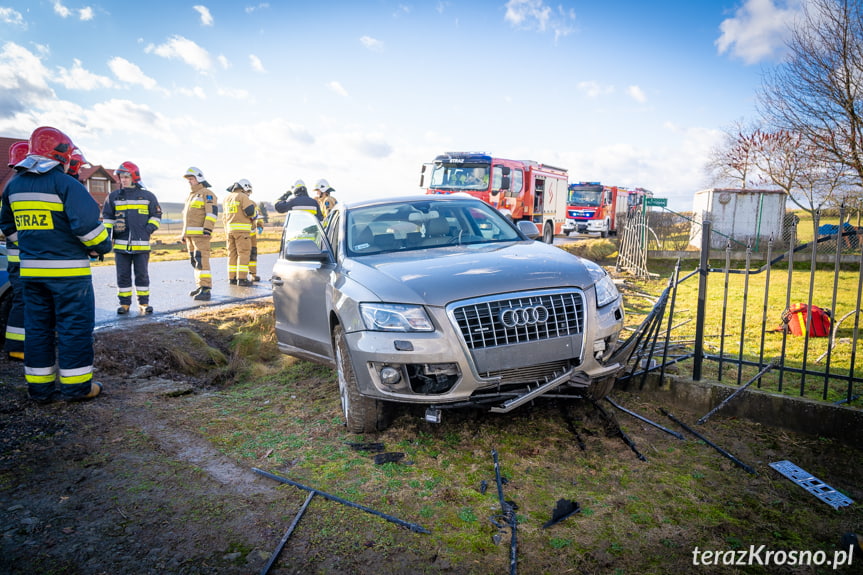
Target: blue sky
{"x":362,"y":93}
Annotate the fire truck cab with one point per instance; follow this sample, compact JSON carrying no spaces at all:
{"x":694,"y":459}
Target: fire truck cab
{"x":594,"y":208}
{"x":521,"y":189}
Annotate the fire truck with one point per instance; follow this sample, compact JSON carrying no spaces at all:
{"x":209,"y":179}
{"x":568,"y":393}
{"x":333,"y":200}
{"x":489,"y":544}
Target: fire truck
{"x":521,"y":189}
{"x":592,"y":207}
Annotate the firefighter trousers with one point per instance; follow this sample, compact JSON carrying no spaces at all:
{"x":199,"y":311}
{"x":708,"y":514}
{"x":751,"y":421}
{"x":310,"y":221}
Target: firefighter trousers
{"x":199,"y":254}
{"x":239,"y":251}
{"x":61,"y":308}
{"x":125,"y":263}
{"x":15,"y":324}
{"x":253,"y":258}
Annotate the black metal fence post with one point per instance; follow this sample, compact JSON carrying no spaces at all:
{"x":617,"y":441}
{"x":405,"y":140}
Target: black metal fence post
{"x":703,"y":270}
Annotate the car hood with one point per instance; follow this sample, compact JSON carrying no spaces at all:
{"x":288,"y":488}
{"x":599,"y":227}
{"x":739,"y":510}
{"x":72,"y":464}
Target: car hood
{"x":442,"y":275}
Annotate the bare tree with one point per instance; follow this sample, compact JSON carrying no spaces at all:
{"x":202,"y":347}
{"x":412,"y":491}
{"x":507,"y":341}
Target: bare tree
{"x":816,"y":92}
{"x":732,"y":162}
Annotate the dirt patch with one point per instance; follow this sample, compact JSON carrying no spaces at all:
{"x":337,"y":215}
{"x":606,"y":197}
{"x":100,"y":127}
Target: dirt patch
{"x":124,"y":484}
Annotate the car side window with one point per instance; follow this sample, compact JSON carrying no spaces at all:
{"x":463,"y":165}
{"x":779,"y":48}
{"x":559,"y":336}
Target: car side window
{"x":301,"y":225}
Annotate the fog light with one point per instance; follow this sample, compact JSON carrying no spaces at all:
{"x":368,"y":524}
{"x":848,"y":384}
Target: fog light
{"x":390,"y":375}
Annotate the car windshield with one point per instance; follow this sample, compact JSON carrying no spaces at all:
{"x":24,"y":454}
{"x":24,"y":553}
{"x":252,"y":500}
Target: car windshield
{"x":422,"y":224}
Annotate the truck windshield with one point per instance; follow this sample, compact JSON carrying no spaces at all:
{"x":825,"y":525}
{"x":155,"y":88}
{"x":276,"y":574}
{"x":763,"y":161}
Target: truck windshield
{"x":460,"y":177}
{"x":585,"y":197}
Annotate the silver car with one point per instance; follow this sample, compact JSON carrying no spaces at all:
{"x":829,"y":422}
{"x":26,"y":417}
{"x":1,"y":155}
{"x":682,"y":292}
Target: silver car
{"x":441,"y":301}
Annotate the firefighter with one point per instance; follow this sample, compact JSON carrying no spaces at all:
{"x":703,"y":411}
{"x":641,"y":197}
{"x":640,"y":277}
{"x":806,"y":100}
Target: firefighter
{"x":239,"y":219}
{"x":56,"y":224}
{"x":132,"y":214}
{"x":14,"y":345}
{"x":199,"y":219}
{"x":323,"y":194}
{"x":76,"y":163}
{"x":257,"y":230}
{"x":300,"y":201}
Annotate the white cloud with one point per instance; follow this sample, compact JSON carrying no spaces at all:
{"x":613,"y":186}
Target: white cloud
{"x":61,"y":10}
{"x":206,"y":17}
{"x":537,"y":15}
{"x":131,"y":117}
{"x":370,"y":145}
{"x":86,"y":14}
{"x":223,"y":61}
{"x":593,"y":89}
{"x":23,"y":80}
{"x":183,"y":49}
{"x":130,"y":73}
{"x":336,"y":87}
{"x":78,"y":78}
{"x":196,"y":92}
{"x":261,"y":6}
{"x":372,"y":43}
{"x":234,"y":93}
{"x":758,"y":29}
{"x":637,"y":94}
{"x":256,"y":63}
{"x":10,"y":16}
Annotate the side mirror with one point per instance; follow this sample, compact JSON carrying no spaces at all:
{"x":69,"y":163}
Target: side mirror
{"x":305,"y":250}
{"x":528,"y":228}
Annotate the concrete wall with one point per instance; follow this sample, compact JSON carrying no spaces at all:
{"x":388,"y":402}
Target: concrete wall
{"x":740,"y":214}
{"x":782,"y":411}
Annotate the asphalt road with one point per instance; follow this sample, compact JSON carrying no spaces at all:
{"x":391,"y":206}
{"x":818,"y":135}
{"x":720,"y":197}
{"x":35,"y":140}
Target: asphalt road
{"x":170,"y":284}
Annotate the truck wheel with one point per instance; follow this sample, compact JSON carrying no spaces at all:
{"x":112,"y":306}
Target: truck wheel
{"x":604,"y":233}
{"x":362,"y":414}
{"x":548,"y":233}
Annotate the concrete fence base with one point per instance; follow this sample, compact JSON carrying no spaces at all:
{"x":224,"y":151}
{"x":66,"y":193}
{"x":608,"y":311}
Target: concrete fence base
{"x":781,"y":411}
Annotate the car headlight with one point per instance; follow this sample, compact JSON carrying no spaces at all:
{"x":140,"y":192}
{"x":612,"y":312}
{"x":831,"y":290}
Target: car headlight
{"x":606,"y":291}
{"x":395,"y":317}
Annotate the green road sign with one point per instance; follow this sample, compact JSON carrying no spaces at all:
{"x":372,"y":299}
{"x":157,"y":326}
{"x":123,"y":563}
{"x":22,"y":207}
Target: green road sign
{"x":657,"y":202}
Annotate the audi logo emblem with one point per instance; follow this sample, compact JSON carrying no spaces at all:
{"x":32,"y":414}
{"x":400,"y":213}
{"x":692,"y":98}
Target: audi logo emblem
{"x":523,"y":316}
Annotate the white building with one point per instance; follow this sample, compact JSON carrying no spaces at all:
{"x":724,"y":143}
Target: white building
{"x":742,"y":216}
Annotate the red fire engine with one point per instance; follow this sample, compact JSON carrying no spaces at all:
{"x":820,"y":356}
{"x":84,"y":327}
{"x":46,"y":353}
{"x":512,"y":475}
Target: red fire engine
{"x":592,"y":207}
{"x":521,"y":189}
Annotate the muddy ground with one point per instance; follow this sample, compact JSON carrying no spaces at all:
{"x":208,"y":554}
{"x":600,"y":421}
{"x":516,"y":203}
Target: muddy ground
{"x":99,"y":487}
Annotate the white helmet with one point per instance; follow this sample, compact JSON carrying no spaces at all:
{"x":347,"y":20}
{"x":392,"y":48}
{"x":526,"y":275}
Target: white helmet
{"x":246,"y":185}
{"x":196,"y":172}
{"x":322,"y":186}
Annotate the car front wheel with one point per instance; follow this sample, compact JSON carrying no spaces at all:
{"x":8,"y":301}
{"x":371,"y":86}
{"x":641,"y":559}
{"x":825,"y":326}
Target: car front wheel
{"x":362,"y":414}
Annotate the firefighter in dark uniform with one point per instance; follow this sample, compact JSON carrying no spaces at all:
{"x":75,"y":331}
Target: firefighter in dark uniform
{"x":199,"y":219}
{"x":239,"y":219}
{"x":14,"y":345}
{"x":300,"y":201}
{"x":56,"y":223}
{"x":132,"y":213}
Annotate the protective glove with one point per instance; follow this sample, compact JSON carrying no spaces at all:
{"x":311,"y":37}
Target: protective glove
{"x":285,"y":196}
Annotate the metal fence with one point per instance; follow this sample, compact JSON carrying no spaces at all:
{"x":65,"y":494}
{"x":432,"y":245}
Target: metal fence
{"x":723,"y":318}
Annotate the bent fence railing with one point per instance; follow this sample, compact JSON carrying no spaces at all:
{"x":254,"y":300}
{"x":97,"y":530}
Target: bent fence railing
{"x":724,"y":321}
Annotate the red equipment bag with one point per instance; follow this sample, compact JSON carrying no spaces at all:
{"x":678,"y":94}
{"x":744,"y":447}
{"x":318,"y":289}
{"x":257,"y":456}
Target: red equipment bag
{"x":794,"y":320}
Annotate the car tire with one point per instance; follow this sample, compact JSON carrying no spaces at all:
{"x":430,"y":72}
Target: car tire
{"x":599,"y":388}
{"x":362,"y":414}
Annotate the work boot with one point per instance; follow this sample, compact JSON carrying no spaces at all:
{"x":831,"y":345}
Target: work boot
{"x":123,"y":310}
{"x":195,"y":292}
{"x":203,"y":295}
{"x":256,"y":278}
{"x":145,"y":309}
{"x":232,"y":281}
{"x":95,"y":389}
{"x":244,"y":283}
{"x":17,"y":355}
